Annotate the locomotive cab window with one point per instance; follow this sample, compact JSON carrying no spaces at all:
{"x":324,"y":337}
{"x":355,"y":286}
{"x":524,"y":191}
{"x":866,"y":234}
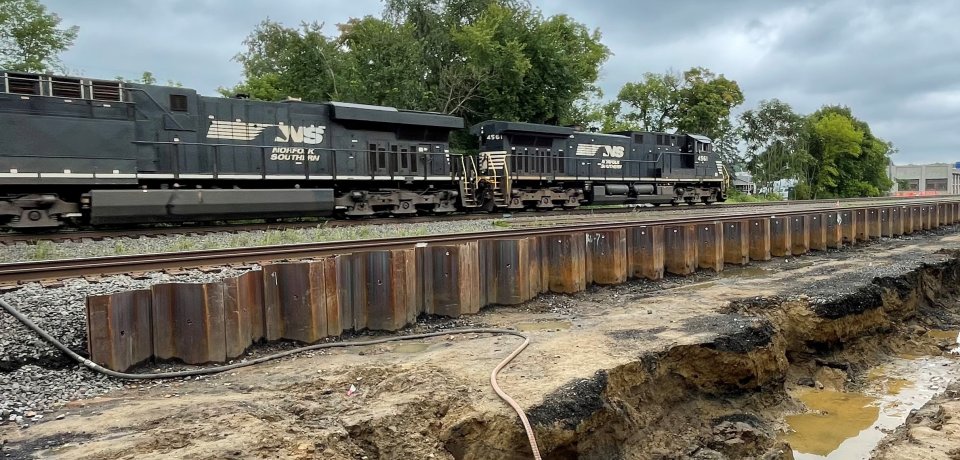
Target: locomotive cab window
{"x":178,"y":102}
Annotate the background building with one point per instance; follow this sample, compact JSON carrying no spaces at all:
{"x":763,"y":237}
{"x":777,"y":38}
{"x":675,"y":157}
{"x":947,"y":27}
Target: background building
{"x":932,"y":179}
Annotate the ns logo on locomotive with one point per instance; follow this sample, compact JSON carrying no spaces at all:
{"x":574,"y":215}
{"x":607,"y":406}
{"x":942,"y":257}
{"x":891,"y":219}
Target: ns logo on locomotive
{"x":79,"y":151}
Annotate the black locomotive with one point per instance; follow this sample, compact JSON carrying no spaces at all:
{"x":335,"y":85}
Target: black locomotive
{"x":83,"y":151}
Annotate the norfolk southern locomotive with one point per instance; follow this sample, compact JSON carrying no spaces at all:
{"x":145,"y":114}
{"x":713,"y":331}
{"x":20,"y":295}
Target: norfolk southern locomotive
{"x":83,"y":151}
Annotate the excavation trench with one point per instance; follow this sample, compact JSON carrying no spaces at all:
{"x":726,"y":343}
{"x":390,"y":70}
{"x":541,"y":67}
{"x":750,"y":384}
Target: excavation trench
{"x":776,"y":370}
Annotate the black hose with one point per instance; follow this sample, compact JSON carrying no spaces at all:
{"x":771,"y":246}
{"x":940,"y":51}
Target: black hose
{"x":217,"y":369}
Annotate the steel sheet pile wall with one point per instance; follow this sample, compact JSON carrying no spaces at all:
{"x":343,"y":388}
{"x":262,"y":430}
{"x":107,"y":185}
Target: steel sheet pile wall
{"x":311,"y":300}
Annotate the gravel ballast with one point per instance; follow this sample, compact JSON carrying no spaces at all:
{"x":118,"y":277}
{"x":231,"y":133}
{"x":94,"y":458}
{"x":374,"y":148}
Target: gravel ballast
{"x":34,"y":376}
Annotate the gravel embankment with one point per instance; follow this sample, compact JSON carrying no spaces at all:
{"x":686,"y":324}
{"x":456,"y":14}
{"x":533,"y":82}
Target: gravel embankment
{"x":34,"y":376}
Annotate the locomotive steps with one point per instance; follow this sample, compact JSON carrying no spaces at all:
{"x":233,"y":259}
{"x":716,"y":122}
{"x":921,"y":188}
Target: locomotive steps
{"x":703,"y":366}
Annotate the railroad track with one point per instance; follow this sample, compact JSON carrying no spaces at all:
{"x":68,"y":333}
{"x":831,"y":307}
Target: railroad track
{"x":14,"y":273}
{"x":14,"y":238}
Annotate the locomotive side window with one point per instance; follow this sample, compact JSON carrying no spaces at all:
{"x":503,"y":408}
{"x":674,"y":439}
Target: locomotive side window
{"x":178,"y":102}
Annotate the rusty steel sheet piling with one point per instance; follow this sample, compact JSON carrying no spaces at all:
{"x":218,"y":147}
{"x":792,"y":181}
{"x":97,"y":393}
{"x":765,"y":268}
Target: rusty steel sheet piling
{"x":510,"y":271}
{"x":566,"y":262}
{"x":799,"y":235}
{"x":910,"y":218}
{"x":873,"y":223}
{"x":680,"y":242}
{"x":646,"y":252}
{"x":243,"y":311}
{"x":886,"y":223}
{"x":817,"y":231}
{"x":760,"y":239}
{"x":291,"y":307}
{"x":385,"y":287}
{"x":710,"y":246}
{"x":833,"y":221}
{"x":188,"y":322}
{"x":848,"y":225}
{"x":896,"y":221}
{"x":736,"y":242}
{"x":119,"y":329}
{"x":780,"y":244}
{"x":924,"y":218}
{"x":606,"y":257}
{"x":450,"y":277}
{"x":862,"y":232}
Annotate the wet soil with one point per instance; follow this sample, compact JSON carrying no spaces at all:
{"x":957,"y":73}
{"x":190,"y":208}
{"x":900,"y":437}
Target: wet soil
{"x":700,"y":367}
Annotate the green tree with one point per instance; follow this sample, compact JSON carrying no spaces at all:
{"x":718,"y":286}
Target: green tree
{"x":697,"y":101}
{"x":776,"y":144}
{"x":478,"y":59}
{"x":381,"y":64}
{"x":284,"y":62}
{"x":653,"y":103}
{"x":31,"y":37}
{"x":851,"y":161}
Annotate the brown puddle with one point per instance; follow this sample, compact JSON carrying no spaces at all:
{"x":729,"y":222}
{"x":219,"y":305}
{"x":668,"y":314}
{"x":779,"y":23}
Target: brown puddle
{"x":834,"y":417}
{"x":849,"y":425}
{"x":543,"y":325}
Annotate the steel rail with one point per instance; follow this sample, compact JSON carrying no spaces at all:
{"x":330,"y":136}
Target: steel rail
{"x":11,"y":273}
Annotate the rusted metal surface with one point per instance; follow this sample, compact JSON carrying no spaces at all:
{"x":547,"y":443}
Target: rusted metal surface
{"x":510,"y":271}
{"x":566,"y":262}
{"x":780,"y":242}
{"x":736,"y":242}
{"x":450,"y":277}
{"x":645,"y":247}
{"x":817,"y":231}
{"x":862,"y":232}
{"x":896,"y":221}
{"x":886,"y":223}
{"x":799,"y":235}
{"x":119,"y":331}
{"x":910,"y":216}
{"x":243,"y":311}
{"x":834,"y":224}
{"x":188,"y":322}
{"x":680,"y":244}
{"x":760,"y":239}
{"x":606,"y":259}
{"x":874,"y":229}
{"x":848,"y":225}
{"x":710,"y":246}
{"x":385,"y":288}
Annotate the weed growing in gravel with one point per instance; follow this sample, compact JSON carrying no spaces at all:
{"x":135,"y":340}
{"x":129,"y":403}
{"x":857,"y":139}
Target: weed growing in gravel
{"x":183,"y":244}
{"x":43,"y":250}
{"x":501,"y":223}
{"x":119,"y":248}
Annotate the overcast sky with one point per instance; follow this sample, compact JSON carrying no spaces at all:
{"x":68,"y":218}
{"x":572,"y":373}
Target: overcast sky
{"x":895,"y":63}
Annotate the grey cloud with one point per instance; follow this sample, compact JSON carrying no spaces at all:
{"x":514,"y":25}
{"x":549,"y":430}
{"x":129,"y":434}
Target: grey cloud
{"x":896,"y":64}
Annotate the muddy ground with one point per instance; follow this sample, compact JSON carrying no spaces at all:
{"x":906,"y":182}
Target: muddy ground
{"x":698,"y":367}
